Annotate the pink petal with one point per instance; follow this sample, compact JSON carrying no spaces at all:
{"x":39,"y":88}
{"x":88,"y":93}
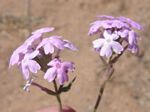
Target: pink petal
{"x":106,"y":17}
{"x":106,"y":35}
{"x":14,"y":59}
{"x":25,"y":71}
{"x":68,"y":66}
{"x":106,"y":51}
{"x":44,"y":41}
{"x":119,"y":24}
{"x":43,"y":30}
{"x":98,"y":43}
{"x":62,"y":77}
{"x":69,"y":45}
{"x":94,"y":28}
{"x":17,"y":55}
{"x":34,"y":39}
{"x":58,"y":43}
{"x":133,"y":48}
{"x":132,"y":37}
{"x":33,"y":66}
{"x":131,"y":22}
{"x":123,"y":33}
{"x":48,"y":48}
{"x":115,"y":36}
{"x":54,"y":62}
{"x":55,"y":37}
{"x":50,"y":74}
{"x":117,"y":47}
{"x":32,"y":55}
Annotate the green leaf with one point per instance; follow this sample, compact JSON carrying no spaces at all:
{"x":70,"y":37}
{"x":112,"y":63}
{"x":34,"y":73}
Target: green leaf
{"x":44,"y":89}
{"x":63,"y":88}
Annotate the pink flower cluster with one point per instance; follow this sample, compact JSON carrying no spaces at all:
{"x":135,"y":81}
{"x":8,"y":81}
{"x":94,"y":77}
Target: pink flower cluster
{"x":36,"y":53}
{"x":113,"y":31}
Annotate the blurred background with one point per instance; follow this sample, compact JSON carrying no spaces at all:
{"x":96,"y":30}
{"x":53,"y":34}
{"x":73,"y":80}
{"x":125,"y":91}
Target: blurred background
{"x":129,"y":89}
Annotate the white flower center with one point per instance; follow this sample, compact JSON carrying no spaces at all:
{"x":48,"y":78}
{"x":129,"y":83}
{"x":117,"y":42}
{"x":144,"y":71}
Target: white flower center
{"x":108,"y":40}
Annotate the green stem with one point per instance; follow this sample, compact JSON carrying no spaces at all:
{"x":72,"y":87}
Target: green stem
{"x":58,"y":96}
{"x":109,"y":73}
{"x":101,"y":91}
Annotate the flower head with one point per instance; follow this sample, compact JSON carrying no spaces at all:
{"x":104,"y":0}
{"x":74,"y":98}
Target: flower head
{"x":17,"y":55}
{"x":59,"y":70}
{"x":35,"y":53}
{"x":119,"y":27}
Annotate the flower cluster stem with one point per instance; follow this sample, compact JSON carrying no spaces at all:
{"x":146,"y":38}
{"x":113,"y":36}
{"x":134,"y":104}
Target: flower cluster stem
{"x":58,"y":96}
{"x":109,"y":72}
{"x":101,"y":91}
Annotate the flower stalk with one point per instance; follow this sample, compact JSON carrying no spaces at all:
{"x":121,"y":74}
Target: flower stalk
{"x":58,"y":96}
{"x":109,"y":74}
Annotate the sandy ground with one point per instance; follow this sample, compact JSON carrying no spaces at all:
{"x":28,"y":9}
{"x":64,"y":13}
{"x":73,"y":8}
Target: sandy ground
{"x":128,"y":91}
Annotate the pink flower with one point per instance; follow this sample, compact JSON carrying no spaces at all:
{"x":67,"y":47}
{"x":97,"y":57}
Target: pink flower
{"x":132,"y":39}
{"x":108,"y":44}
{"x":69,"y":45}
{"x":33,"y":41}
{"x":28,"y":46}
{"x":28,"y":65}
{"x":58,"y":69}
{"x":123,"y":33}
{"x":18,"y":55}
{"x":49,"y":44}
